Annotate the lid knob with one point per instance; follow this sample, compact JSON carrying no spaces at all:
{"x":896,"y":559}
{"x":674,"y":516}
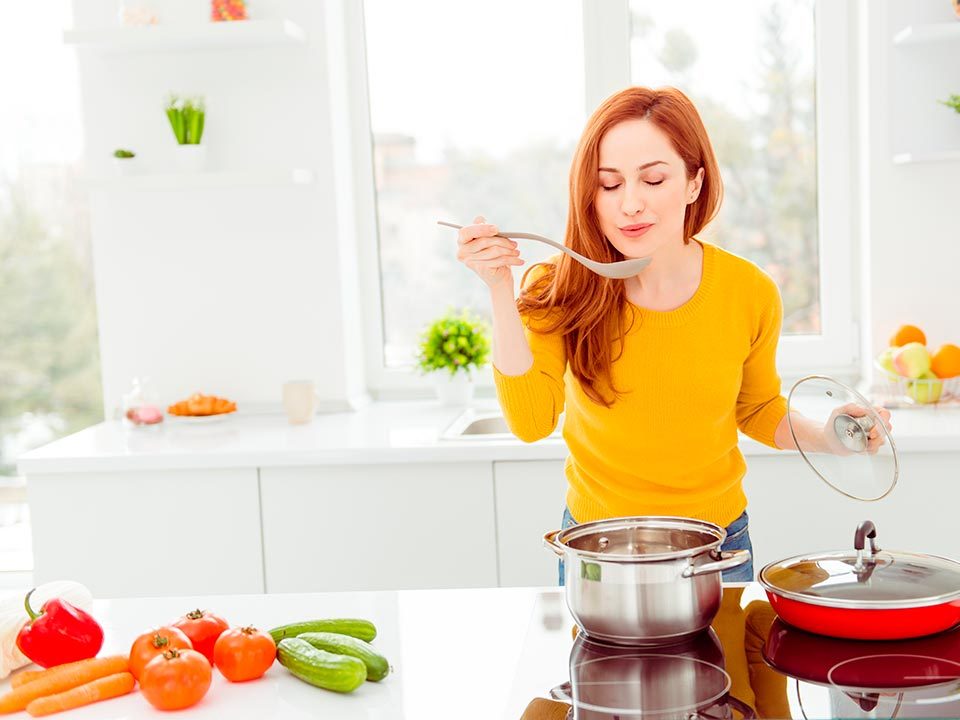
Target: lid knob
{"x":865,"y":531}
{"x":853,"y":432}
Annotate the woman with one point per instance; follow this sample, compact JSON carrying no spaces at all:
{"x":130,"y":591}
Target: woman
{"x":656,"y":372}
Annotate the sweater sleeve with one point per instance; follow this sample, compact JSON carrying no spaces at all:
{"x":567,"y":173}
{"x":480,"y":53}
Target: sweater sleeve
{"x":760,"y":406}
{"x":532,"y":402}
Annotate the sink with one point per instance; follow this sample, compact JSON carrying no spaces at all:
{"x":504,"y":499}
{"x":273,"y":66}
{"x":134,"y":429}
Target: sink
{"x":474,"y":425}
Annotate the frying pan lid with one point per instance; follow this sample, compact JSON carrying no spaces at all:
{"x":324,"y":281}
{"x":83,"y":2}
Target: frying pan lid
{"x":867,"y":577}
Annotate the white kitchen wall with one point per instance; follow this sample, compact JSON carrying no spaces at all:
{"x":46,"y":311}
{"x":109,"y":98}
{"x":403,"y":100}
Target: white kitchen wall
{"x":910,"y":211}
{"x":233,"y":291}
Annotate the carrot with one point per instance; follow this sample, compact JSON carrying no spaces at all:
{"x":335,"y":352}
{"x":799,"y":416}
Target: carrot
{"x":25,"y":676}
{"x":60,"y":678}
{"x":102,"y":688}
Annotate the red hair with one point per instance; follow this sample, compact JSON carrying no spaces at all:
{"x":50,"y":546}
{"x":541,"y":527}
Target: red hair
{"x":587,"y":309}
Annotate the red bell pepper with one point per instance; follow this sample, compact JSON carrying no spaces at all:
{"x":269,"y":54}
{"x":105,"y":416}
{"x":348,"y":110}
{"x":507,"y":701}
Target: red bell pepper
{"x":59,"y":633}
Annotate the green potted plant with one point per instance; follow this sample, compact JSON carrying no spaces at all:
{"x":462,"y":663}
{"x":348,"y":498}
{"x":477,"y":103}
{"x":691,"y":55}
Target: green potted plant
{"x":187,"y":116}
{"x":124,"y":161}
{"x":451,"y":349}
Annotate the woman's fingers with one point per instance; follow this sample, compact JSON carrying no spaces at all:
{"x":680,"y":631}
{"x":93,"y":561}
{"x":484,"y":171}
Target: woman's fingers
{"x":492,"y":264}
{"x":478,"y":230}
{"x":492,"y":253}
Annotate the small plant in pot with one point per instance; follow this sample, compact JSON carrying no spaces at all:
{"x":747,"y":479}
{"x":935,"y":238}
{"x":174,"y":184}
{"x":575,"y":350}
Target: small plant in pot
{"x":187,"y":117}
{"x":451,"y":349}
{"x":124,"y":161}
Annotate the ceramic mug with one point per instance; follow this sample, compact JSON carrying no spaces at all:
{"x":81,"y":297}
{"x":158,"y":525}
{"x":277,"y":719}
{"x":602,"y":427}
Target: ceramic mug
{"x":299,"y":401}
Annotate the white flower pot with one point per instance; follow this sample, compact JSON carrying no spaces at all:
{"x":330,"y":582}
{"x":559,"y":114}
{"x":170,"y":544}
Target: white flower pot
{"x":126,"y":166}
{"x":454,"y":390}
{"x":190,"y":158}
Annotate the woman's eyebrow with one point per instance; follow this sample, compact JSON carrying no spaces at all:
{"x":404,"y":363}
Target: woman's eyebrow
{"x":642,"y":167}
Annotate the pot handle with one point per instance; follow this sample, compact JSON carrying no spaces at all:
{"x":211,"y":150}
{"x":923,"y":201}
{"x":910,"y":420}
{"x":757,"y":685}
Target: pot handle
{"x":550,"y":541}
{"x":727,"y":560}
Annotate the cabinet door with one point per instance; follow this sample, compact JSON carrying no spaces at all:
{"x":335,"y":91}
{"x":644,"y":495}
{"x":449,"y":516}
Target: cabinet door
{"x":378,"y":527}
{"x":530,"y":501}
{"x":136,"y":534}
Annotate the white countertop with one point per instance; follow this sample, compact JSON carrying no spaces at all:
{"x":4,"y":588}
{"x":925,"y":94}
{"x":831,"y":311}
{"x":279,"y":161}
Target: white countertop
{"x":383,"y":432}
{"x":453,"y":654}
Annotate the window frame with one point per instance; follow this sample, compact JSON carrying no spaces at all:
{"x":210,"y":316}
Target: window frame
{"x":606,"y":30}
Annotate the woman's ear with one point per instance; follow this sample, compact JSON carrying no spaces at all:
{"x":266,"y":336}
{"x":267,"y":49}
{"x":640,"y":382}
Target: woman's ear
{"x":694,"y":187}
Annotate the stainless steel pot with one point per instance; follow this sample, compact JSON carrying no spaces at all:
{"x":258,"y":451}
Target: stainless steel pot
{"x":643,"y":580}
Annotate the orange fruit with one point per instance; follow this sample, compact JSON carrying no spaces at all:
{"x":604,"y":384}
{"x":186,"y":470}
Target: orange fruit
{"x":945,"y":362}
{"x":907,"y":334}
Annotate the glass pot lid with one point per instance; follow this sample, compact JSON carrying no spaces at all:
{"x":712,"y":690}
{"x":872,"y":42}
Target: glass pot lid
{"x":855,"y":455}
{"x":865,"y":577}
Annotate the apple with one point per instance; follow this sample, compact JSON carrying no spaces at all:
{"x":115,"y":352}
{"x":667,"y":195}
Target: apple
{"x":885,"y":360}
{"x":926,"y":388}
{"x":912,"y":360}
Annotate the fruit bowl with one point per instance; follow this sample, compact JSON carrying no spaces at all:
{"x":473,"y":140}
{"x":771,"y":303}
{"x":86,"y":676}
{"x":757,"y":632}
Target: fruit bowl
{"x":932,"y":391}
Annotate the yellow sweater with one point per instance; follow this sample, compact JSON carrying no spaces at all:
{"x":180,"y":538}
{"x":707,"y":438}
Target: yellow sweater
{"x":692,"y":376}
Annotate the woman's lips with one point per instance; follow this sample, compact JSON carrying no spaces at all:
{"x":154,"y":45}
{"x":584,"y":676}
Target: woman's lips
{"x":636,"y":230}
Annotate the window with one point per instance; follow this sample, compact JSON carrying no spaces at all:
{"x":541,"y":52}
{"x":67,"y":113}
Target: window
{"x":49,"y":358}
{"x":488,"y":129}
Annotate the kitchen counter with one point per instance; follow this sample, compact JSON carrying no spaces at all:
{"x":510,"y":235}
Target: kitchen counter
{"x":381,"y":433}
{"x":498,"y":653}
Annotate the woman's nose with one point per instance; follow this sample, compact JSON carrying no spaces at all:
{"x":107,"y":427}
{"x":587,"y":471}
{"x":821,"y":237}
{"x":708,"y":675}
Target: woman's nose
{"x":633,"y":201}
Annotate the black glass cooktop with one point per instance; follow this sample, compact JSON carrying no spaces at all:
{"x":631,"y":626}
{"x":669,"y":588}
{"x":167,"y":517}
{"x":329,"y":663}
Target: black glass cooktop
{"x":750,"y":664}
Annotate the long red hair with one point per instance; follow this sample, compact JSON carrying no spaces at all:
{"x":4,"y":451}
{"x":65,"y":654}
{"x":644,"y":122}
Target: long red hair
{"x":588,"y":310}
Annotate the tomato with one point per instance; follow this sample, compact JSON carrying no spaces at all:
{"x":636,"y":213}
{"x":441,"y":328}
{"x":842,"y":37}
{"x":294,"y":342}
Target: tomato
{"x":146,"y":647}
{"x":203,"y":628}
{"x":244,"y":653}
{"x":176,"y":679}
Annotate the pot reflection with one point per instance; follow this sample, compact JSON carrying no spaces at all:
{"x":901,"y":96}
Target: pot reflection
{"x":683,"y":681}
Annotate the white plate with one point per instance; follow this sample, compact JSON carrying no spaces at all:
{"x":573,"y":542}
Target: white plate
{"x":200,"y":419}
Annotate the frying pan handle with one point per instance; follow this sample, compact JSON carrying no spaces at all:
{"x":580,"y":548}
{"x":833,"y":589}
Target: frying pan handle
{"x":550,"y":541}
{"x":727,"y":560}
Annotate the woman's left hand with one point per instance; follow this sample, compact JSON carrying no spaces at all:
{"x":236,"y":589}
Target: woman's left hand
{"x":875,"y":438}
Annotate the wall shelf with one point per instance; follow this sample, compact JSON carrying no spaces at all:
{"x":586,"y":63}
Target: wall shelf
{"x":221,"y":180}
{"x":211,"y":35}
{"x":935,"y":32}
{"x":908,"y":158}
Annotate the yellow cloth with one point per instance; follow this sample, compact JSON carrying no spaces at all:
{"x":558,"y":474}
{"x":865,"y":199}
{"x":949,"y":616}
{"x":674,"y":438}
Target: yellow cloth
{"x":692,"y":376}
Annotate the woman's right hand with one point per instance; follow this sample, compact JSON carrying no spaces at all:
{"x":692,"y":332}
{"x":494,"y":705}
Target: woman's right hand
{"x":489,"y":257}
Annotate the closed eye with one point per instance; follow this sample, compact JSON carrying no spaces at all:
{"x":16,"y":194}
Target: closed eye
{"x":614,"y":187}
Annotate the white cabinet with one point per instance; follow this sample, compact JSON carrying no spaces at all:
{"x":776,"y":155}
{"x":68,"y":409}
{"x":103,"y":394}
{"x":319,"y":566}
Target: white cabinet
{"x":138,"y":534}
{"x":378,"y":527}
{"x":530,"y":501}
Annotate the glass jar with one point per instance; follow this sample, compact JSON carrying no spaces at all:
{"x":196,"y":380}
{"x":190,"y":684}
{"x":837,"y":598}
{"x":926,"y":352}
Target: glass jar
{"x":139,"y":407}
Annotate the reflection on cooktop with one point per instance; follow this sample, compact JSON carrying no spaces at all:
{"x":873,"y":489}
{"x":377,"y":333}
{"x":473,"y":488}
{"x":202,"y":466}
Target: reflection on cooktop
{"x":751,"y":664}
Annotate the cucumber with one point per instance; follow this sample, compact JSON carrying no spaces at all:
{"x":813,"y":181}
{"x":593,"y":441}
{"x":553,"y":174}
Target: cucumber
{"x":362,"y":629}
{"x":377,"y":665}
{"x":340,"y":673}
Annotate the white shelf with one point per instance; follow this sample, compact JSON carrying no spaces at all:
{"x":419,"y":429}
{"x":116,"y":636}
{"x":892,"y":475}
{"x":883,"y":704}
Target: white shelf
{"x":907,"y":158}
{"x":936,"y":32}
{"x":223,"y":180}
{"x":211,"y":35}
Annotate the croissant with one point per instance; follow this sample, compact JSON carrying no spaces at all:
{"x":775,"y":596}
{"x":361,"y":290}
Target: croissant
{"x":199,"y":404}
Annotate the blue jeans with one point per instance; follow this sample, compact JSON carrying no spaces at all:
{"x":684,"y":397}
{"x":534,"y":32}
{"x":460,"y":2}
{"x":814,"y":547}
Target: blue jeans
{"x":738,"y":538}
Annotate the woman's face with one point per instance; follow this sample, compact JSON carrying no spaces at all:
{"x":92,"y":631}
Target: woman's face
{"x":643,"y":189}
